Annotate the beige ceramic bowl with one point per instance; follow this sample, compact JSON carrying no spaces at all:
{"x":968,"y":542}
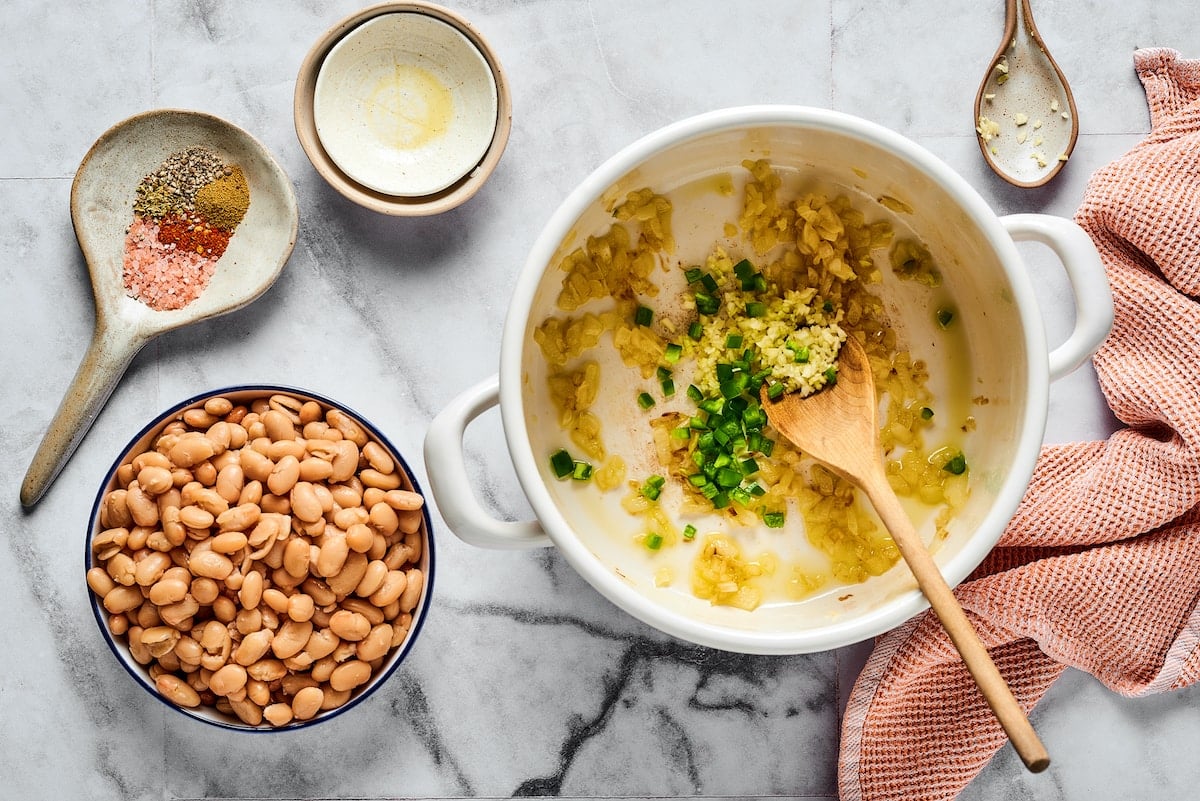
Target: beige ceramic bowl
{"x":352,"y":120}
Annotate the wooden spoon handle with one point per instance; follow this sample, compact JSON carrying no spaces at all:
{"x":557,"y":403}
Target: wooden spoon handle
{"x":933,"y":584}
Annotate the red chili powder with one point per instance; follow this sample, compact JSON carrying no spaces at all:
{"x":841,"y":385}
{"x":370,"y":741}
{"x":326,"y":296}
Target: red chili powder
{"x":163,"y":275}
{"x":193,"y":234}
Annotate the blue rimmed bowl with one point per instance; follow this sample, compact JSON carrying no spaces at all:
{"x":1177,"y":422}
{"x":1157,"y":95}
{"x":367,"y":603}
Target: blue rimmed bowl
{"x":382,"y":667}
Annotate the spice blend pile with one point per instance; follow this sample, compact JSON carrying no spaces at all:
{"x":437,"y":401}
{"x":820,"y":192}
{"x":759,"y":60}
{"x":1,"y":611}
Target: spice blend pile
{"x":184,"y":214}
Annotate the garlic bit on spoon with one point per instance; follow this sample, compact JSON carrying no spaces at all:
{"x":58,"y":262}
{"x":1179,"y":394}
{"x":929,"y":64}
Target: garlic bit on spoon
{"x":1025,"y":117}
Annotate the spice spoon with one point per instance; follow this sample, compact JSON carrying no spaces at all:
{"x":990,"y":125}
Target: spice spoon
{"x":1025,"y":117}
{"x":102,"y":197}
{"x":837,"y":427}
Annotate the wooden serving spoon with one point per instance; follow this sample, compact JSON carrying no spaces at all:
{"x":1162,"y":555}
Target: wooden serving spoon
{"x":837,"y":427}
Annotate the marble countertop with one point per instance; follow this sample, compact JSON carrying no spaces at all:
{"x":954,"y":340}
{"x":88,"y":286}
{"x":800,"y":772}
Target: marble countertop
{"x":525,"y":681}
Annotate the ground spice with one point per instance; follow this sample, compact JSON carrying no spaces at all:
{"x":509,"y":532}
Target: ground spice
{"x":194,"y":235}
{"x":184,"y":214}
{"x":161,"y":275}
{"x":173,"y":186}
{"x":224,"y":201}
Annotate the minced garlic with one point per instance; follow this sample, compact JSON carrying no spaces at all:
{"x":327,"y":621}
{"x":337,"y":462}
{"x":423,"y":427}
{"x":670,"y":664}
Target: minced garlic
{"x":987,"y":129}
{"x":1022,"y":118}
{"x":722,"y":576}
{"x":1002,"y":70}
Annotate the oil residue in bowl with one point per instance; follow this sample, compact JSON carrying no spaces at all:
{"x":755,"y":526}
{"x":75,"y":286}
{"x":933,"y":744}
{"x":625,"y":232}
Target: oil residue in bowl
{"x":409,"y":107}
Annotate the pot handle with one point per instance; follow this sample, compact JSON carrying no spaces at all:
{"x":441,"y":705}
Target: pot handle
{"x":1093,"y":298}
{"x":451,"y":487}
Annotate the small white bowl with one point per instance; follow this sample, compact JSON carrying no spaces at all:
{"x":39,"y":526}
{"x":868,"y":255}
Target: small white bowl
{"x":458,"y":192}
{"x":405,"y":104}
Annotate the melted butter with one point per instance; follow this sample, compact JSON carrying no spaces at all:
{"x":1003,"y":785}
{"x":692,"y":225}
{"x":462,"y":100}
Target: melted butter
{"x":409,"y":107}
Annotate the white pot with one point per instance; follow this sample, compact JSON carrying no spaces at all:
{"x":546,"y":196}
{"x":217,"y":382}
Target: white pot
{"x":1005,"y":360}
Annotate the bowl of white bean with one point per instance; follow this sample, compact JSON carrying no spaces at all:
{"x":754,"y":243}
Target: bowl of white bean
{"x":259,"y":558}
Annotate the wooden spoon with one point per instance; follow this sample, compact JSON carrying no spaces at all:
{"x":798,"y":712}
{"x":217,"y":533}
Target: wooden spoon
{"x":837,"y":427}
{"x":102,"y":196}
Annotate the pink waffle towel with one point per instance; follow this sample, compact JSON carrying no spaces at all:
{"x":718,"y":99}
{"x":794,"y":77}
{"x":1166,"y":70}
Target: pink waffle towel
{"x":1100,"y":567}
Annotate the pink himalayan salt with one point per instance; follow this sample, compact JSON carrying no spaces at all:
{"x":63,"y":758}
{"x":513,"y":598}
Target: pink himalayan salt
{"x":158,"y":274}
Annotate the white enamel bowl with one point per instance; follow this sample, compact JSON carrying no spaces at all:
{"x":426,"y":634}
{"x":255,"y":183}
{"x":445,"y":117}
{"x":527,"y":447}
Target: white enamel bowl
{"x":1003,"y":357}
